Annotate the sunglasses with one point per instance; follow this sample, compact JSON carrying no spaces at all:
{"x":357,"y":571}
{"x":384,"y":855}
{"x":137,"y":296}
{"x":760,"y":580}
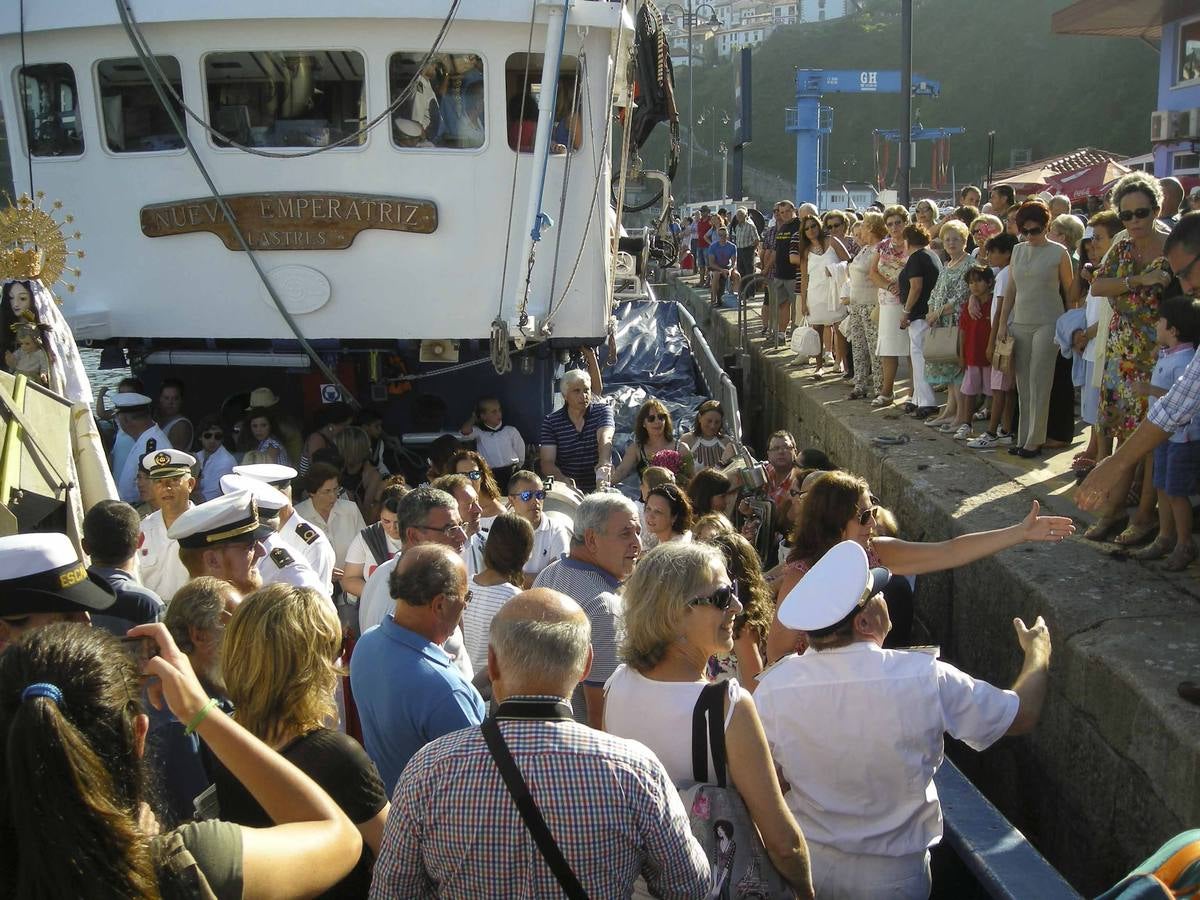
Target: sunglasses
{"x":722,"y":598}
{"x":213,"y":435}
{"x":526,"y":496}
{"x":655,"y":417}
{"x":866,"y":515}
{"x":1037,"y":229}
{"x":474,"y":474}
{"x":1128,"y":215}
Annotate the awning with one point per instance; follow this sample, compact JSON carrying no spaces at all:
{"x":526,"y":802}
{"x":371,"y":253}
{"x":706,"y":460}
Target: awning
{"x":1090,"y":182}
{"x":1119,"y":18}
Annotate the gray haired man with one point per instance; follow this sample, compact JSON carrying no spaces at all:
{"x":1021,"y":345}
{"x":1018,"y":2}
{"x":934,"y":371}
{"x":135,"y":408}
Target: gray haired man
{"x":605,"y":546}
{"x":452,"y":793}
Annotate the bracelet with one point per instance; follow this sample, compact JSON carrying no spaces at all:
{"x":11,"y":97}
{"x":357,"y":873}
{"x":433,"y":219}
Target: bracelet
{"x":200,"y":716}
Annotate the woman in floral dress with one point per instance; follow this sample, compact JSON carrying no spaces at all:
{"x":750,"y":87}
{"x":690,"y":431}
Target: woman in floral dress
{"x":945,"y":307}
{"x":893,"y":340}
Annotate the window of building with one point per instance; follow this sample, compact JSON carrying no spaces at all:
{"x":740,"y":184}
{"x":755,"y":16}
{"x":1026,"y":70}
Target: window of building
{"x":821,"y":15}
{"x":444,"y":106}
{"x":1185,"y":164}
{"x":525,"y":71}
{"x":286,"y":98}
{"x":51,"y":104}
{"x":1189,"y":52}
{"x":133,"y":118}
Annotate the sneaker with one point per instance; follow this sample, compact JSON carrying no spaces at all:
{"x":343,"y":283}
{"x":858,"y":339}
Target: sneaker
{"x":986,"y":441}
{"x":1005,"y":435}
{"x":963,"y":433}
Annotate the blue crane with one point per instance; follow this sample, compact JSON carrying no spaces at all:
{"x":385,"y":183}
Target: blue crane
{"x":811,"y":122}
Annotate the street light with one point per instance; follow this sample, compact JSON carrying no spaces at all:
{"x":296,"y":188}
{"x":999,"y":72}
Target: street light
{"x":689,"y":16}
{"x":721,"y":116}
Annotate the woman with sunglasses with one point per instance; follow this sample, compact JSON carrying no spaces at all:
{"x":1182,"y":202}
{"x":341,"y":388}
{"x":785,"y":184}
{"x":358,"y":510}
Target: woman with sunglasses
{"x":839,"y":507}
{"x":746,"y":661}
{"x":680,"y":608}
{"x":815,"y":252}
{"x":1133,"y":279}
{"x":475,"y":467}
{"x":1040,"y":276}
{"x":890,"y":256}
{"x":653,"y":431}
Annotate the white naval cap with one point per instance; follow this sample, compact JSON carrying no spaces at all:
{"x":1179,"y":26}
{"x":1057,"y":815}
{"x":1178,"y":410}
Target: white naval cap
{"x":128,"y":401}
{"x":270,"y":500}
{"x":232,"y":518}
{"x":43,"y":573}
{"x":840,"y":583}
{"x":167,"y":463}
{"x":271,"y":473}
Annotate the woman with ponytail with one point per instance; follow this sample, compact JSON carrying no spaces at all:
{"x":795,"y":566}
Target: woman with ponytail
{"x":75,"y":819}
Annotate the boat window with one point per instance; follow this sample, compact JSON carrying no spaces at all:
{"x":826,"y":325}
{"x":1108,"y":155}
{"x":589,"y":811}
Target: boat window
{"x":444,"y":106}
{"x":286,"y":98}
{"x":51,"y":110}
{"x":134,"y":119}
{"x":523,"y":89}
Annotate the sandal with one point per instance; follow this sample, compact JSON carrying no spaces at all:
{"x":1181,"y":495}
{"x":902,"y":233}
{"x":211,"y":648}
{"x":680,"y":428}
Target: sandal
{"x":1156,"y":549}
{"x":881,"y":400}
{"x":1102,"y":528}
{"x":1135,"y":534}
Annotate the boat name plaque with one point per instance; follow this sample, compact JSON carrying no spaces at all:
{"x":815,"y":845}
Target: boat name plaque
{"x":291,"y":221}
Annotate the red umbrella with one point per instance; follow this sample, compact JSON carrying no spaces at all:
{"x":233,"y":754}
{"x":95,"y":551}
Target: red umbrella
{"x":1091,"y":181}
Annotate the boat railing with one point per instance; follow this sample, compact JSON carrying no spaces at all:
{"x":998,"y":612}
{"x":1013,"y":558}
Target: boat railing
{"x":720,"y":385}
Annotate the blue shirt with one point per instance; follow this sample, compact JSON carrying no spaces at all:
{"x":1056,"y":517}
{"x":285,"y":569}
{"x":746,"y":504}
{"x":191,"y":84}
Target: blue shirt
{"x":721,"y":253}
{"x":408,"y":692}
{"x":1171,"y":363}
{"x":136,"y":605}
{"x":576,"y":451}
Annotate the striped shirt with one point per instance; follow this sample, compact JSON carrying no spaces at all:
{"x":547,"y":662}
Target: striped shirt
{"x":577,"y":451}
{"x":454,"y":831}
{"x":486,"y":601}
{"x":594,"y":590}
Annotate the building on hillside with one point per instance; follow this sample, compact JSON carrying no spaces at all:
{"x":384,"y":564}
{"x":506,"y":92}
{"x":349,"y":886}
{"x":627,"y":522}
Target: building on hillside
{"x":746,"y":23}
{"x":1174,"y":26}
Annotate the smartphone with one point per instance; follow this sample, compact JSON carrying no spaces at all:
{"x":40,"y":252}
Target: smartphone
{"x":140,"y":649}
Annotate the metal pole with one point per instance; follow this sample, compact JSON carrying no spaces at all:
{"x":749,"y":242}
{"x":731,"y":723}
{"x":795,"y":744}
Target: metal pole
{"x":691,"y":107}
{"x":990,"y":160}
{"x":906,"y":34}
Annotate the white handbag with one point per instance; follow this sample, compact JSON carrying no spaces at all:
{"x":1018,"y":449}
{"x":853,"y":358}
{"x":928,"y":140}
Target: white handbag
{"x":806,"y":341}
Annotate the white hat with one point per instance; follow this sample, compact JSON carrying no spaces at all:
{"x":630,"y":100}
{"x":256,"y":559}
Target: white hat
{"x":261,"y":398}
{"x":167,"y":463}
{"x":271,"y":473}
{"x":841,"y":581}
{"x":43,"y":573}
{"x":408,"y":128}
{"x":130,"y":401}
{"x":270,"y":500}
{"x":228,"y":519}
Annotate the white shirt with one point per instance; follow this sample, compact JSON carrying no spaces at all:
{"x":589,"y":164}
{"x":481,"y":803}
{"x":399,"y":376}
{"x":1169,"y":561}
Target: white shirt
{"x":127,"y":487}
{"x":500,"y":448}
{"x":551,"y":539}
{"x":1098,"y":308}
{"x":280,"y":565}
{"x":659,"y":715}
{"x":858,"y":733}
{"x":221,"y":462}
{"x":158,"y":558}
{"x":305,"y":539}
{"x":486,"y":601}
{"x":343,"y":525}
{"x":360,"y":554}
{"x":998,"y":290}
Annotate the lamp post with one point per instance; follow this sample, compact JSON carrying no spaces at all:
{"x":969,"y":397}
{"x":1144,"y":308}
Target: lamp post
{"x":721,"y":116}
{"x":689,"y":16}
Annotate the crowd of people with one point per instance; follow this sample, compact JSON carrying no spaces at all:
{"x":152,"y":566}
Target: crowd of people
{"x":1034,"y":316}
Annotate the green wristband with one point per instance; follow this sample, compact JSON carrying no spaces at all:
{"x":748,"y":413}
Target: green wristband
{"x":200,"y":716}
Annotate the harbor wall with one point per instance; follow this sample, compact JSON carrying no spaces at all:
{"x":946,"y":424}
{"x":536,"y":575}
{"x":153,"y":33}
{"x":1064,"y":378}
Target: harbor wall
{"x":1113,"y":767}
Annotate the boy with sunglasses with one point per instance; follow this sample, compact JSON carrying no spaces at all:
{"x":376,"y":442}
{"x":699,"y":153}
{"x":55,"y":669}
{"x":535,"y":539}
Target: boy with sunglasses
{"x":213,"y":458}
{"x":551,"y":530}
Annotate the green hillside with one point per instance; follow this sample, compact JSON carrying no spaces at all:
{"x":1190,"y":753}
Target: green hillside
{"x":1000,"y":67}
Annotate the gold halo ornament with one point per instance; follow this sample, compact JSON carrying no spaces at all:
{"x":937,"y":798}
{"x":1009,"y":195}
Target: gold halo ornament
{"x":33,"y":244}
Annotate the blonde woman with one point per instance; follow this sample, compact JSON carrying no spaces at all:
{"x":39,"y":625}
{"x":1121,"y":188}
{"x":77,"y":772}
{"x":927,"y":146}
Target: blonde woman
{"x":680,"y":607}
{"x":945,"y":308}
{"x":278,"y":658}
{"x":864,"y":306}
{"x":360,"y":480}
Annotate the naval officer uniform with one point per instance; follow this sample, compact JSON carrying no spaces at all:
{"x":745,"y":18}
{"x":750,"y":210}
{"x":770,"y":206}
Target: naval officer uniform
{"x":159,"y":565}
{"x":153,"y":438}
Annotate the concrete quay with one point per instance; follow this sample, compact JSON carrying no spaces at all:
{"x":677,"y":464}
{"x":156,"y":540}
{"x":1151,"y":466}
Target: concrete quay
{"x":1113,"y":768}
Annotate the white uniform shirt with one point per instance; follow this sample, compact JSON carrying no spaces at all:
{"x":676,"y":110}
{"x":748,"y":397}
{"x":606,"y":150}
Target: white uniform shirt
{"x":343,"y":525}
{"x":158,"y":558}
{"x":504,"y":447}
{"x":280,"y":565}
{"x":127,"y":478}
{"x":306,"y":540}
{"x":211,"y":469}
{"x":551,"y":539}
{"x":858,"y":733}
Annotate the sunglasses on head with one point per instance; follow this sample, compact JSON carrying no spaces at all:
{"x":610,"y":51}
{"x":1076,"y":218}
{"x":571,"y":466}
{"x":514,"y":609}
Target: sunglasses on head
{"x":526,"y":496}
{"x":722,"y":598}
{"x":1036,"y":229}
{"x":1128,"y":215}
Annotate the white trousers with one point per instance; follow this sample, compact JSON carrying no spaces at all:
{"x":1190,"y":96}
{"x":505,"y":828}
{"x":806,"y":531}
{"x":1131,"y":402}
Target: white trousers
{"x":855,"y":876}
{"x":922,"y":392}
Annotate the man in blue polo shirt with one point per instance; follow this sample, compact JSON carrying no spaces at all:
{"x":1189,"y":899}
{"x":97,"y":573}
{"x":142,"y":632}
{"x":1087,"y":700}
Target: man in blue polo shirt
{"x":407,"y":689}
{"x":722,"y":265}
{"x":578,"y":437}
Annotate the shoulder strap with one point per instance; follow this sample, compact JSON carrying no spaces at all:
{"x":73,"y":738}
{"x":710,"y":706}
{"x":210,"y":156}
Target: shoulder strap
{"x":530,"y":813}
{"x":709,"y":706}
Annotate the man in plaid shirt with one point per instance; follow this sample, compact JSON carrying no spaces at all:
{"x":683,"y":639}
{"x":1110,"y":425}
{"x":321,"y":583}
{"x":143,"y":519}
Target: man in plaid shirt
{"x":454,"y":830}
